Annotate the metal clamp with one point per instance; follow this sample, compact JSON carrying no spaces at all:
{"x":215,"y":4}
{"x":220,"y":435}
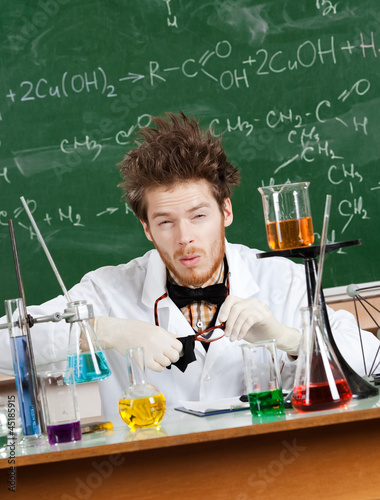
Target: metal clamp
{"x":78,"y":311}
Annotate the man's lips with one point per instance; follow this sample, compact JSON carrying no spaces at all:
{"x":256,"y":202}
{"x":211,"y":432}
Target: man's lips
{"x":190,"y":260}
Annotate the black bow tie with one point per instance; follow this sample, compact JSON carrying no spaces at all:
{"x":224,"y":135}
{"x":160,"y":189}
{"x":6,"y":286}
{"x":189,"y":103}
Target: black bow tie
{"x":182,"y":296}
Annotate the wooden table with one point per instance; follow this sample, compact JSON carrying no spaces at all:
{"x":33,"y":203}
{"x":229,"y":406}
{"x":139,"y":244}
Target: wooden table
{"x":325,"y":455}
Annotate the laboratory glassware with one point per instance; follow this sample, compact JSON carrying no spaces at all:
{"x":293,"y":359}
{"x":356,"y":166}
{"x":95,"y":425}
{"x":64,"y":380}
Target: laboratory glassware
{"x":142,"y":404}
{"x":85,"y":356}
{"x":319,"y":382}
{"x":287,"y":215}
{"x":25,"y":373}
{"x":263,"y":378}
{"x":60,"y":406}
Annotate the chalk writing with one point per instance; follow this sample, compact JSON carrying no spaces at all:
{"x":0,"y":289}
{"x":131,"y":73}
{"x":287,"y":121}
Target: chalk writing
{"x":306,"y":135}
{"x":241,"y":125}
{"x":90,"y":145}
{"x":69,"y":216}
{"x":95,"y":147}
{"x":171,"y":19}
{"x":338,"y":173}
{"x":352,"y":208}
{"x":361,"y":87}
{"x":326,"y":7}
{"x":307,"y":55}
{"x":292,"y":92}
{"x":61,"y":215}
{"x":69,"y":85}
{"x":108,"y":210}
{"x":56,"y":217}
{"x":4,"y":175}
{"x":191,"y":68}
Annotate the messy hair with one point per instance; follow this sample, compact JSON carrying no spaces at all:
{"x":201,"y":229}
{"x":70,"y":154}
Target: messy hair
{"x":176,"y":151}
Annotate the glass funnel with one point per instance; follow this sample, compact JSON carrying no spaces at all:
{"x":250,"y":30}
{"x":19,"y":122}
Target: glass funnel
{"x":287,"y":215}
{"x":85,"y":356}
{"x":319,"y":381}
{"x":142,"y":404}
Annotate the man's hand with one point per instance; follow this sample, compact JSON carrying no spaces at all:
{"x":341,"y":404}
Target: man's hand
{"x":251,"y":320}
{"x":161,"y":347}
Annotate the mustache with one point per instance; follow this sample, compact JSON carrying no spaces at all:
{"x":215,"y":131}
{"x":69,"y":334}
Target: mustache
{"x":193,"y":251}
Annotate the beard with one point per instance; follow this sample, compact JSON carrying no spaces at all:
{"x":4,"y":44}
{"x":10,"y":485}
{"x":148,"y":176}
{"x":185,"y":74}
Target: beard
{"x":192,"y":277}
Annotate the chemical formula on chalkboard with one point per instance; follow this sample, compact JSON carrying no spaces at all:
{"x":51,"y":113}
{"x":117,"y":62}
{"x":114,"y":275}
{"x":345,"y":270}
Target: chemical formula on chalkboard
{"x":307,"y":54}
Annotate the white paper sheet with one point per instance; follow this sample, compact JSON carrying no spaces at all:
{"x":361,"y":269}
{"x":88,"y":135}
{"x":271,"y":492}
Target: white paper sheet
{"x":218,"y":404}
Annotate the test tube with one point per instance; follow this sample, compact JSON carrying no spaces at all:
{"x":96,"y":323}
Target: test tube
{"x":25,"y":374}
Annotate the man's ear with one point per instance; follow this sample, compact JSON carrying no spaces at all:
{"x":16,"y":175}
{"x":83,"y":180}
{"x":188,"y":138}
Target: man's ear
{"x":227,"y":212}
{"x":146,"y":230}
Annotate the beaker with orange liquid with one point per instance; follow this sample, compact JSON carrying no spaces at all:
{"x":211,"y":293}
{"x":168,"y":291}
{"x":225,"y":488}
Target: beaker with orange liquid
{"x":287,"y":215}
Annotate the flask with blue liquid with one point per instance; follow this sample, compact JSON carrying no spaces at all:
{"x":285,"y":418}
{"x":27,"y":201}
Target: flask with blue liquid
{"x":85,"y":356}
{"x":25,"y":374}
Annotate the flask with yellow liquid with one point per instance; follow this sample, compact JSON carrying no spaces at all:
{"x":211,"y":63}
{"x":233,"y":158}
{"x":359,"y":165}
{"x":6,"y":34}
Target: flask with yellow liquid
{"x":142,"y":404}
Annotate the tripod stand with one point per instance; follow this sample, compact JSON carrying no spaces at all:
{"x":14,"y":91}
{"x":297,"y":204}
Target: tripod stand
{"x":360,"y":388}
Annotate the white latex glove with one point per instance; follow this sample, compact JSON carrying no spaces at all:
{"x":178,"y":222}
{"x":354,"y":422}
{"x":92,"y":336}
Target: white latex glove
{"x":251,"y":320}
{"x":161,"y":348}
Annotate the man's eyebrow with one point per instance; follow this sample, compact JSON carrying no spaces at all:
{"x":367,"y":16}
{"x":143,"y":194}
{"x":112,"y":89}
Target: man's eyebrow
{"x":203,"y":204}
{"x":155,"y":215}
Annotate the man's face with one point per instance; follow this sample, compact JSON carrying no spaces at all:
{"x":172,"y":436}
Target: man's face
{"x":187,"y":228}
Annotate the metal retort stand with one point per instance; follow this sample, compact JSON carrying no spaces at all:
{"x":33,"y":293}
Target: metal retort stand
{"x":359,"y":386}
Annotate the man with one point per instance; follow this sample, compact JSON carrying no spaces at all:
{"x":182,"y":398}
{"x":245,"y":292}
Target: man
{"x":179,"y":184}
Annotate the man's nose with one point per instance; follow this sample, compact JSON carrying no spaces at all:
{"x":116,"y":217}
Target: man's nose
{"x":185,"y":233}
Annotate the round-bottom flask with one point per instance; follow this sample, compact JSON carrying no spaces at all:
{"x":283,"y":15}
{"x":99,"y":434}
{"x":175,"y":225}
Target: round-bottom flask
{"x":142,"y":404}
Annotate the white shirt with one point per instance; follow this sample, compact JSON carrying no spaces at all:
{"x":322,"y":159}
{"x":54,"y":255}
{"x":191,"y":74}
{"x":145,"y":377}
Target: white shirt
{"x":130,"y":291}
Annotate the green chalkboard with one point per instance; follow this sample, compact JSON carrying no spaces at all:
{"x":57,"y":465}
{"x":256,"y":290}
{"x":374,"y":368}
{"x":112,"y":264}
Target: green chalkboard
{"x":292,"y":86}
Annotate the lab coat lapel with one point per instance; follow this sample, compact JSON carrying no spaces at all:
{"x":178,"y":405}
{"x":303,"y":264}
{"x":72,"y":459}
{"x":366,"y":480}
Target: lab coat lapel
{"x":242,"y":282}
{"x":155,"y":280}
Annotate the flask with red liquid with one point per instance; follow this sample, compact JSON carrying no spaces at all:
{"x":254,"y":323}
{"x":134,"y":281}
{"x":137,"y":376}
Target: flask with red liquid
{"x":319,"y":381}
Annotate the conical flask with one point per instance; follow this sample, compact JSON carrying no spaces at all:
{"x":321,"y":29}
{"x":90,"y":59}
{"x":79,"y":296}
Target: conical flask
{"x":319,"y":381}
{"x":142,"y":404}
{"x":85,"y":356}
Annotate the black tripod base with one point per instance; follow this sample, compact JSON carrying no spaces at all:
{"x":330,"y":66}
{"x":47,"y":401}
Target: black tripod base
{"x":360,"y":388}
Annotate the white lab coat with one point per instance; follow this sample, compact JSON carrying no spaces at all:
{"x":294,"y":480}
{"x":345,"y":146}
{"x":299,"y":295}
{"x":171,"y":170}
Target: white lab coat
{"x":130,"y":291}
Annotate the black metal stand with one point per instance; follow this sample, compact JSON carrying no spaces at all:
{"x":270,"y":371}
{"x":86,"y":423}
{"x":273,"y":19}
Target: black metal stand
{"x":360,"y":388}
